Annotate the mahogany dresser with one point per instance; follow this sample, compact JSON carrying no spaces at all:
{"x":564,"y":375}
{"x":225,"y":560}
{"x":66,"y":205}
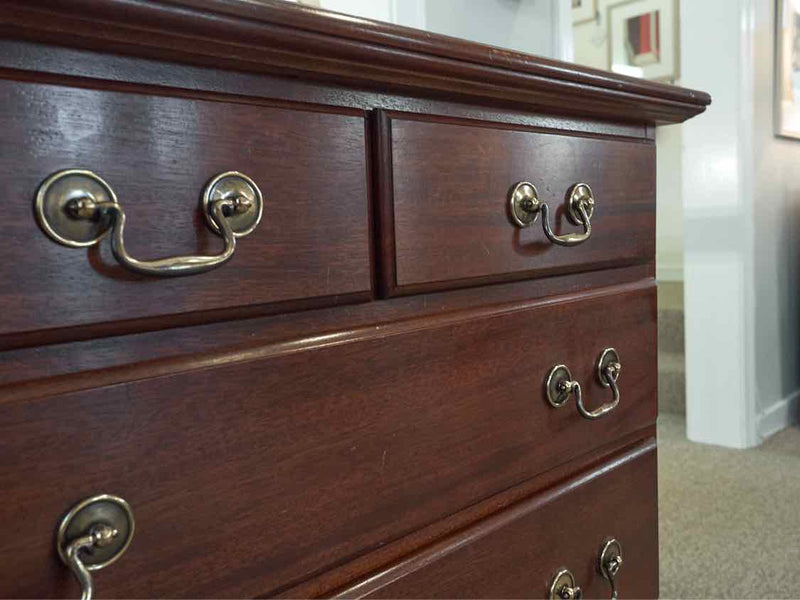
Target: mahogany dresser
{"x":296,"y":304}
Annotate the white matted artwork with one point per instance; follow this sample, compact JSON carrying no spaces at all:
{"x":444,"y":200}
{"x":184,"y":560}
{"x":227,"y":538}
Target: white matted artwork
{"x":583,"y":10}
{"x":643,"y":39}
{"x":787,"y":69}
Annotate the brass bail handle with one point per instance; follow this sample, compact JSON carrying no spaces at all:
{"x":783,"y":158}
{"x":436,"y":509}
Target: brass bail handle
{"x":560,"y":385}
{"x":563,"y":585}
{"x":609,"y":562}
{"x":93,"y":535}
{"x":526,"y":206}
{"x":77,"y":208}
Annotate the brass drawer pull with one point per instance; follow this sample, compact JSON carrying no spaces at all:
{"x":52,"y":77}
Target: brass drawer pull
{"x":563,"y":586}
{"x":77,"y":208}
{"x":93,"y":535}
{"x":609,"y":561}
{"x":526,"y":206}
{"x":560,"y":384}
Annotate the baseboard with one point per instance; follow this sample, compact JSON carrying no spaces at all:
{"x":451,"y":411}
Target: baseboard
{"x":669,"y":273}
{"x":779,"y":416}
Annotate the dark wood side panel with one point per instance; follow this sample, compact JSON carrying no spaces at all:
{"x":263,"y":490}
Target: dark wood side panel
{"x":445,"y":207}
{"x":513,"y":554}
{"x":290,"y":463}
{"x":158,"y":153}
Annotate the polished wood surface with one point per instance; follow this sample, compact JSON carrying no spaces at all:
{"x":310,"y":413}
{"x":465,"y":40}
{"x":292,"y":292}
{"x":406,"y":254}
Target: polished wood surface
{"x":48,"y":63}
{"x":273,"y":37}
{"x":514,"y":553}
{"x":352,"y":578}
{"x":33,"y":371}
{"x":315,"y":452}
{"x":157,"y":153}
{"x":444,"y":202}
{"x":353,"y":405}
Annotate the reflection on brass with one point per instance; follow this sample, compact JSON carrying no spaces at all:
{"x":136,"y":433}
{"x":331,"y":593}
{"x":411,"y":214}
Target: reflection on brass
{"x":563,"y":587}
{"x":77,"y":208}
{"x":609,"y":562}
{"x":525,"y":208}
{"x":93,"y":535}
{"x":559,"y":385}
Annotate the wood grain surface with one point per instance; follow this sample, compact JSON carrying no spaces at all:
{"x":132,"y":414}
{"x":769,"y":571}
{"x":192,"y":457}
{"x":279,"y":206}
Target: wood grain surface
{"x":514,"y":553}
{"x":59,"y":367}
{"x":444,"y":216}
{"x":28,"y":61}
{"x":289,"y":463}
{"x":354,"y":578}
{"x":157,"y":153}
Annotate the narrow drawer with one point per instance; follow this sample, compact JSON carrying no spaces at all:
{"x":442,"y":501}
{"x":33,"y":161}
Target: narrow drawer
{"x":445,"y":209}
{"x":283,"y":461}
{"x":516,"y":553}
{"x":157,"y":153}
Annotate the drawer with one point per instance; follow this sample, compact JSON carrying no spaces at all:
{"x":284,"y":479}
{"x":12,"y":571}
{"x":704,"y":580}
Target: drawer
{"x":285,"y":460}
{"x":157,"y":153}
{"x":515,"y":554}
{"x":444,"y":202}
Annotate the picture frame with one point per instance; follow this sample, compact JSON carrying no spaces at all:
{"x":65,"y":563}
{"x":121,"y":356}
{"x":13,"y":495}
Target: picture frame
{"x":786,"y":101}
{"x":643,"y":39}
{"x":583,"y":11}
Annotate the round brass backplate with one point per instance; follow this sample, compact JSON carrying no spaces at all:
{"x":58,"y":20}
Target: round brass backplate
{"x":608,"y":357}
{"x":50,"y":205}
{"x":103,"y":509}
{"x":610,"y":550}
{"x":555,"y":396}
{"x":578,"y":194}
{"x":233,"y":184}
{"x":562,"y":580}
{"x":524,"y":194}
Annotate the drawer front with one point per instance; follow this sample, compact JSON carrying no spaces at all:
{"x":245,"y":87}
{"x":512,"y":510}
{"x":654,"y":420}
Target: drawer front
{"x":157,"y":153}
{"x":446,"y":203}
{"x":285,"y":460}
{"x":515,"y":554}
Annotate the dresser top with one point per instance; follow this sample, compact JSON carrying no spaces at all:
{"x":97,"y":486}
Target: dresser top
{"x":276,"y":37}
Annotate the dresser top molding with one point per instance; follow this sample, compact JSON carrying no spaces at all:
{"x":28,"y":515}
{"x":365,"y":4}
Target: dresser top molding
{"x":272,"y":36}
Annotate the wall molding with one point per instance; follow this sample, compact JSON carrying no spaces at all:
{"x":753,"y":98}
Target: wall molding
{"x":780,"y":415}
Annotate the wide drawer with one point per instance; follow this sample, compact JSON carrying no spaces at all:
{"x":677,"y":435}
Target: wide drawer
{"x":515,"y":554}
{"x":157,"y":153}
{"x":284,"y":460}
{"x":445,"y":202}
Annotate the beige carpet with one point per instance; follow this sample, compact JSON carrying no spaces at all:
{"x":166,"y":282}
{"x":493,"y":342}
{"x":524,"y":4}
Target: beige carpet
{"x":729,"y":519}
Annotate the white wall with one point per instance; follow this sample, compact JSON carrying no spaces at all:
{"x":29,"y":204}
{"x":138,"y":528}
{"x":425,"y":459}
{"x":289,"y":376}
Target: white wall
{"x":741,"y":189}
{"x":380,"y":10}
{"x":718,"y":227}
{"x":669,"y":207}
{"x":776,"y":245}
{"x":540,"y":27}
{"x":530,"y":26}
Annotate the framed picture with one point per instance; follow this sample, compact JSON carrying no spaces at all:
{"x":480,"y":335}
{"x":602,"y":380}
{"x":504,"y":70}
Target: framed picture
{"x":583,"y":11}
{"x":787,"y":69}
{"x":643,"y":39}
